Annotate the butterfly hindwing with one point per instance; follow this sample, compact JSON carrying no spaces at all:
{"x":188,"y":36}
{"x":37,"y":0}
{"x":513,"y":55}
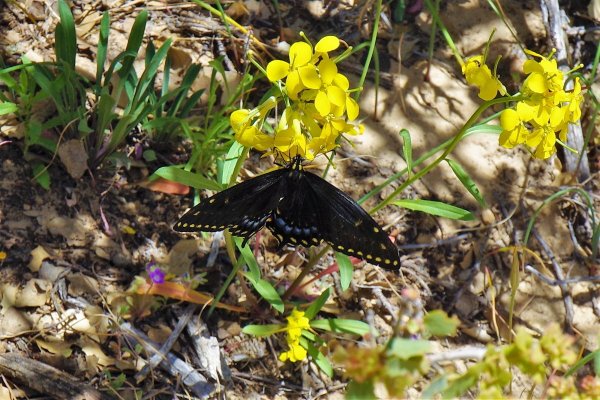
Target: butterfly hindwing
{"x":299,"y":208}
{"x":242,"y":208}
{"x":348,"y":228}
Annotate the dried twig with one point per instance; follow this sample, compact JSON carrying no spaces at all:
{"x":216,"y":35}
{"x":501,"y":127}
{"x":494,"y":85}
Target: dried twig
{"x":463,"y":353}
{"x":175,"y":366}
{"x":167,"y":345}
{"x":568,"y":300}
{"x":46,"y":379}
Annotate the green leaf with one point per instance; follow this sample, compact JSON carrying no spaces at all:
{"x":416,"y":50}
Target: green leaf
{"x":467,"y":182}
{"x":341,"y":325}
{"x":317,"y":357}
{"x":346,"y":269}
{"x":407,"y":149}
{"x":102,"y":47}
{"x":408,"y":348}
{"x":134,"y":43}
{"x":176,"y":174}
{"x":65,"y":37}
{"x":231,"y":159}
{"x":436,"y":386}
{"x":263,"y":330}
{"x":145,"y":84}
{"x":149,"y":155}
{"x":438,"y":323}
{"x":459,"y":386}
{"x":360,"y":391}
{"x":436,"y":208}
{"x":249,"y":259}
{"x":41,"y":175}
{"x":267,"y":292}
{"x":8,"y":108}
{"x":312,"y":311}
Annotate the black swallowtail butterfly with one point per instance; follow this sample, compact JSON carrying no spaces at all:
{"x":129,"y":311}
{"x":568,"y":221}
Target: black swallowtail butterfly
{"x":299,"y":208}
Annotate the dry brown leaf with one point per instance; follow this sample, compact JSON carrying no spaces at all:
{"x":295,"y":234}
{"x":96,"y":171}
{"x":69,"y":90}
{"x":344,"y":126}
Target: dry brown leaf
{"x":160,"y":333}
{"x":51,"y":272}
{"x":92,"y":349}
{"x":38,"y":255}
{"x":594,"y":10}
{"x":34,"y":293}
{"x":58,"y":347}
{"x":70,"y":228}
{"x":11,"y":393}
{"x":13,"y":322}
{"x":74,"y":157}
{"x":80,"y":284}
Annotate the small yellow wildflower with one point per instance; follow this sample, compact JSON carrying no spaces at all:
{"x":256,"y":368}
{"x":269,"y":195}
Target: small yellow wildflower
{"x":514,"y":131}
{"x":317,"y":105}
{"x":296,"y":323}
{"x":3,"y":255}
{"x":478,"y":74}
{"x":300,"y":72}
{"x":545,"y":112}
{"x":544,"y":75}
{"x":128,"y":230}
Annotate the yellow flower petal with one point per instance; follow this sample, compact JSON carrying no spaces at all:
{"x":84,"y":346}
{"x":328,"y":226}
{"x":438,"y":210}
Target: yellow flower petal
{"x":327,"y":44}
{"x":337,"y":96}
{"x":342,"y":82}
{"x":352,"y":108}
{"x":277,"y":70}
{"x":294,"y":85}
{"x":300,"y":54}
{"x":322,"y":103}
{"x":536,"y":83}
{"x":238,"y":119}
{"x":509,"y":119}
{"x":309,"y":76}
{"x":328,"y":71}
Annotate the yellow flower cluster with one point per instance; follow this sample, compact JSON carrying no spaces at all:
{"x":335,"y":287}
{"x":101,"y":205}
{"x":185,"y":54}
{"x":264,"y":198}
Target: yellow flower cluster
{"x":296,"y":323}
{"x":546,"y":110}
{"x":478,"y":74}
{"x":318,"y":107}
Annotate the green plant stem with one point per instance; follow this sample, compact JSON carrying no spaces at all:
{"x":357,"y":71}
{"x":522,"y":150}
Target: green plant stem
{"x":436,"y":19}
{"x":305,"y":270}
{"x":459,"y":136}
{"x":365,"y":70}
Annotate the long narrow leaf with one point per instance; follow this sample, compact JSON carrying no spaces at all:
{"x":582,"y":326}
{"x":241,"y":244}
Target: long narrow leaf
{"x":147,"y":78}
{"x":436,"y":208}
{"x":102,"y":47}
{"x":66,"y":38}
{"x":467,"y":182}
{"x":134,"y":43}
{"x":179,"y":175}
{"x":346,"y":269}
{"x":312,"y":311}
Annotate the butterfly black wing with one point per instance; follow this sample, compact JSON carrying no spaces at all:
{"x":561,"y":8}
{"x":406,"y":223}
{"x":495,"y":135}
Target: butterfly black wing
{"x":312,"y":210}
{"x":348,"y":228}
{"x":243,"y":208}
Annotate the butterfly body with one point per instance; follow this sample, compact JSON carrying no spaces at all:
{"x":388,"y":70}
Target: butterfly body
{"x":299,"y":208}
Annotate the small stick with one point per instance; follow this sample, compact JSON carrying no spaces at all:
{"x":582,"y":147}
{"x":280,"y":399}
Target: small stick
{"x":175,"y":366}
{"x":46,"y":379}
{"x":568,"y":300}
{"x":167,"y":345}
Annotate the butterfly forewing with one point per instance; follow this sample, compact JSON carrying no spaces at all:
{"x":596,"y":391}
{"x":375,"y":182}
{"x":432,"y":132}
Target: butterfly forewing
{"x":348,"y":228}
{"x":242,"y":208}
